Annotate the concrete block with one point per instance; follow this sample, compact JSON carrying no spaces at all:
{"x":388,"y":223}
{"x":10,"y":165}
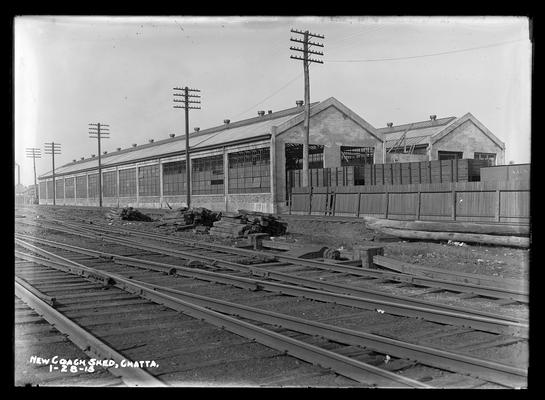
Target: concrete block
{"x":256,"y":239}
{"x":366,"y":254}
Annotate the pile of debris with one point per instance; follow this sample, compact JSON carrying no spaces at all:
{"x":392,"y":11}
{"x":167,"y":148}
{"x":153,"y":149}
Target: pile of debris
{"x":188,"y":218}
{"x":245,"y":222}
{"x":128,"y":214}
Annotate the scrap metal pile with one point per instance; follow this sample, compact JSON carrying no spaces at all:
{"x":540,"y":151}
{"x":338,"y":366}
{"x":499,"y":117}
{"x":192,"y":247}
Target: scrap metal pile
{"x":128,"y":214}
{"x":244,"y":222}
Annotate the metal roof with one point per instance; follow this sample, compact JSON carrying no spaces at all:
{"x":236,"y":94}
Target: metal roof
{"x":411,"y":141}
{"x":416,"y":133}
{"x":216,"y":136}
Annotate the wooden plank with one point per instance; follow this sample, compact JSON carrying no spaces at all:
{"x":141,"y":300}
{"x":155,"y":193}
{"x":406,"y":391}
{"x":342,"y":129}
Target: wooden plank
{"x":511,"y":241}
{"x":461,"y":227}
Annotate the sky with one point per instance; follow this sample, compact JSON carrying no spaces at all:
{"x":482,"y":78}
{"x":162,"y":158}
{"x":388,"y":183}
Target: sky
{"x":73,"y":71}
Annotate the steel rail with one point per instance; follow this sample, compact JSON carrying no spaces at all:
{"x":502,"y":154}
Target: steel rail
{"x":505,"y":292}
{"x":87,"y":342}
{"x":340,"y":364}
{"x":488,"y":370}
{"x":369,"y":294}
{"x":504,"y":326}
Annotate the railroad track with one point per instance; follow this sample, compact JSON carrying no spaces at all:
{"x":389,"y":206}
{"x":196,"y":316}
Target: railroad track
{"x":349,"y":285}
{"x":70,"y":300}
{"x":505,"y":291}
{"x":36,"y":337}
{"x":99,"y":315}
{"x":505,"y":378}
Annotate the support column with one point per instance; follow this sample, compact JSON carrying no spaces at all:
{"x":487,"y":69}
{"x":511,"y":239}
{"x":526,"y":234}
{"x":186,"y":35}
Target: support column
{"x":137,"y":188}
{"x":274,"y":208}
{"x":161,"y":183}
{"x":87,"y":187}
{"x":225,"y":177}
{"x":117,"y":185}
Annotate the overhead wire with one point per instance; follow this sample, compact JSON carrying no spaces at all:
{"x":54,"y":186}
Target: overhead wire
{"x":429,"y":54}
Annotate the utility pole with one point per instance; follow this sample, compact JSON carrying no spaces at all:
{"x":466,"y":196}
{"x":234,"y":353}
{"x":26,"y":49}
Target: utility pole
{"x":34,"y":153}
{"x":53,"y":148}
{"x":99,"y":131}
{"x":187,"y":106}
{"x":306,"y":60}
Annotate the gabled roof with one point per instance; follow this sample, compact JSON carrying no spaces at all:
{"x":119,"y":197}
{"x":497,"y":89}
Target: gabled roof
{"x":430,"y":132}
{"x":416,"y":133}
{"x":323,"y":105}
{"x":467,"y":117}
{"x":248,"y":129}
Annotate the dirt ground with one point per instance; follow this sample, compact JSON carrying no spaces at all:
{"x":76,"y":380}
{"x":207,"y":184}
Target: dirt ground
{"x":502,"y":262}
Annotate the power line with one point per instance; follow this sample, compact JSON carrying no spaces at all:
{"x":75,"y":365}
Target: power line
{"x":431,"y":54}
{"x":271,"y":95}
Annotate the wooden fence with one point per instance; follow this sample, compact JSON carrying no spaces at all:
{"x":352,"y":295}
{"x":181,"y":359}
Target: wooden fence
{"x":504,"y":202}
{"x":506,"y":172}
{"x":438,"y":171}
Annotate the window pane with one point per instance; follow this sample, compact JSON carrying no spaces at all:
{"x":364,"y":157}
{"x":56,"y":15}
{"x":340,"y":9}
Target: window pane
{"x":249,"y":171}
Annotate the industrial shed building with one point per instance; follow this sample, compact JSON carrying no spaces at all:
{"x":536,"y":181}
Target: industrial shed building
{"x":442,"y":139}
{"x":235,"y":165}
{"x":244,"y":164}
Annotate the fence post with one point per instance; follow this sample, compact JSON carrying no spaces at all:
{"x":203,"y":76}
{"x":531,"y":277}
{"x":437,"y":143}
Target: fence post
{"x":498,"y":207}
{"x":387,"y":200}
{"x":429,"y":170}
{"x":309,"y":200}
{"x":418,"y":204}
{"x":358,"y":206}
{"x":453,"y":204}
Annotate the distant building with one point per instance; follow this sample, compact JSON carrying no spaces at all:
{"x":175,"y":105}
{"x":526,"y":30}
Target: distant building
{"x":243,"y":164}
{"x":443,"y":139}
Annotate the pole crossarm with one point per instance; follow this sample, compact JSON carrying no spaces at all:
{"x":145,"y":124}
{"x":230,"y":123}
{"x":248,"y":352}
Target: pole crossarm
{"x":308,"y":33}
{"x":308,"y":51}
{"x":188,"y":89}
{"x":189,"y":95}
{"x":307,"y":42}
{"x":186,"y":101}
{"x":307,"y":59}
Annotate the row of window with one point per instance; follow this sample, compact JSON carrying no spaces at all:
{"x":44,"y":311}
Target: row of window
{"x":249,"y":172}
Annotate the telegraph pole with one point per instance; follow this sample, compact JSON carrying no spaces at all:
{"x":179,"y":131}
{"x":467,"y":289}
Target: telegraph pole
{"x":53,"y":148}
{"x":186,"y":104}
{"x":99,"y":131}
{"x":34,"y":153}
{"x":306,"y":60}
